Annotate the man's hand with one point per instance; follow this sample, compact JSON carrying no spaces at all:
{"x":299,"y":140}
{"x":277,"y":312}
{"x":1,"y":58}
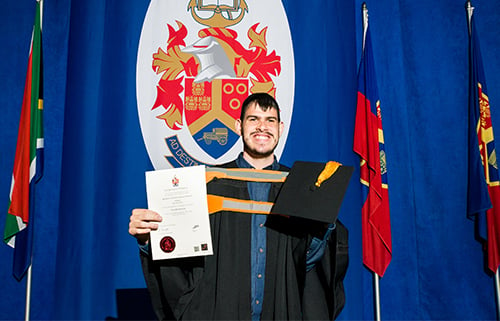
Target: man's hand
{"x":143,"y":221}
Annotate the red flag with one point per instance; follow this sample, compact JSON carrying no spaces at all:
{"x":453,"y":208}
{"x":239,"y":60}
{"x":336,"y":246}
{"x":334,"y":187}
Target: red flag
{"x":369,"y":145}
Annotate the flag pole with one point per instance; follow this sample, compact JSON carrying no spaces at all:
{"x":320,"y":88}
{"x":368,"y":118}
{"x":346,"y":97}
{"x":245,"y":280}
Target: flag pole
{"x":376,"y":278}
{"x":497,"y":290}
{"x":376,"y":295}
{"x":28,"y":294}
{"x":365,"y":23}
{"x":29,"y":271}
{"x":470,"y":9}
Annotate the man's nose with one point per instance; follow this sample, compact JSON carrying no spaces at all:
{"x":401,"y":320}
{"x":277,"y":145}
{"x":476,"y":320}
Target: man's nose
{"x":261,"y":125}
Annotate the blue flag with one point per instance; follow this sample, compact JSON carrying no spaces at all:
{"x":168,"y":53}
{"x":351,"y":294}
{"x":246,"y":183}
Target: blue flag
{"x":483,"y":194}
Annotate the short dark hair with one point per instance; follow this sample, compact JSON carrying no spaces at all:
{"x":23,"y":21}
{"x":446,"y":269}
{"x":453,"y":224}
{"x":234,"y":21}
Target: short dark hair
{"x":264,"y":100}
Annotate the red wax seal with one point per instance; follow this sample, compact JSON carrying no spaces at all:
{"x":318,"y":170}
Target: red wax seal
{"x":167,"y":244}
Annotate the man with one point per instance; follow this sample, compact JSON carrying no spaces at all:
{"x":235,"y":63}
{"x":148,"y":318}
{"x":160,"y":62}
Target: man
{"x":264,"y":267}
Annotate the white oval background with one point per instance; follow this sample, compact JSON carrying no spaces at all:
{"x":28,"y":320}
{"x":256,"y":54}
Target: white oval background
{"x":268,"y":13}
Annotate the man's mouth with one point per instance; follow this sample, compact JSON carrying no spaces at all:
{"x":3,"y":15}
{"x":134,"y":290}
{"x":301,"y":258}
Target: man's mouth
{"x":262,"y":136}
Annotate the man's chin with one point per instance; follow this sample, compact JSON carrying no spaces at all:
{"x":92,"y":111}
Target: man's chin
{"x":259,"y":154}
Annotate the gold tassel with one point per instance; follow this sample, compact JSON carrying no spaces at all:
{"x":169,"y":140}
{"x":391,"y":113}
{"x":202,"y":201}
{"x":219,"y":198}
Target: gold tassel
{"x":327,"y":172}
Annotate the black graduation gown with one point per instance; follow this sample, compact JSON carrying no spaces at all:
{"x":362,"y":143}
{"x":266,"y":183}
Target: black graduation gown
{"x":218,"y":287}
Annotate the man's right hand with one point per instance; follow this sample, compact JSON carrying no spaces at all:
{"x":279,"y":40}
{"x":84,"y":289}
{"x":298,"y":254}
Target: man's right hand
{"x":143,"y":221}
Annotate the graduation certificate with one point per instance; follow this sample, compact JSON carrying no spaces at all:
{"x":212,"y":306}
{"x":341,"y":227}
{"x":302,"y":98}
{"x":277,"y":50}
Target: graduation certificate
{"x":179,"y":195}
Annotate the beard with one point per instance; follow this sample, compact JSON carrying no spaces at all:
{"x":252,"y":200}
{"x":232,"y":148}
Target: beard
{"x":255,"y":150}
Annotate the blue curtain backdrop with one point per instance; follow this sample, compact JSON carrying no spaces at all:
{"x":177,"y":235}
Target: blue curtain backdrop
{"x":86,"y":265}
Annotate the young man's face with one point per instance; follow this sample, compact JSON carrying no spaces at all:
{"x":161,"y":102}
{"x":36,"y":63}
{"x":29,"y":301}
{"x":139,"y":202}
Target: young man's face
{"x":260,"y":131}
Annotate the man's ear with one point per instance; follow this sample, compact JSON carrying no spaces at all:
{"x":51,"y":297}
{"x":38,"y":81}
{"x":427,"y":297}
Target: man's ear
{"x":237,"y":126}
{"x":282,"y":127}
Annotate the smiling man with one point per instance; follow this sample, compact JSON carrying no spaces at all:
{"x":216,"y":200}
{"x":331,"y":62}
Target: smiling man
{"x":260,"y":128}
{"x":264,"y":267}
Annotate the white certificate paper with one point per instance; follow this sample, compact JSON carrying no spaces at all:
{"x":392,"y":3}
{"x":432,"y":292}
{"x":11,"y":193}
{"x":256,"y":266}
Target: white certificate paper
{"x":179,"y":195}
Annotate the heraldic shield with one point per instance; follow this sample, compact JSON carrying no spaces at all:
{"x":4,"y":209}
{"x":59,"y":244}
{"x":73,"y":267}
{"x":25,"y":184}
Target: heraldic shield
{"x":195,"y":68}
{"x":211,"y":109}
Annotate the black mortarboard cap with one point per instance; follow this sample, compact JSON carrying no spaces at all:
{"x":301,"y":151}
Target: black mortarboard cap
{"x":300,"y":197}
